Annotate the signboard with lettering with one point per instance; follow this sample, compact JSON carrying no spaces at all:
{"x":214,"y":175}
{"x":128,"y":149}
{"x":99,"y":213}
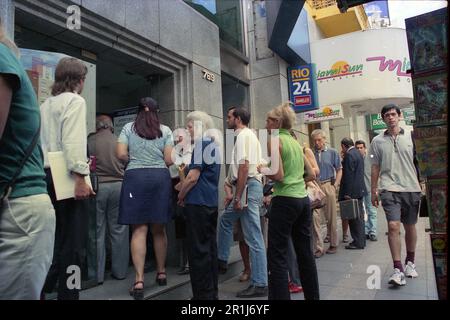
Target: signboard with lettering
{"x":375,"y":122}
{"x":324,"y":113}
{"x":302,"y":88}
{"x":122,"y":117}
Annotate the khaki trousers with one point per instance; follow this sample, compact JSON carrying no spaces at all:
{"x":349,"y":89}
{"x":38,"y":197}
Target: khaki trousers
{"x":330,"y":214}
{"x":317,"y":231}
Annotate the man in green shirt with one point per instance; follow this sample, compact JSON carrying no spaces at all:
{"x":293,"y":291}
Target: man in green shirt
{"x":27,"y":218}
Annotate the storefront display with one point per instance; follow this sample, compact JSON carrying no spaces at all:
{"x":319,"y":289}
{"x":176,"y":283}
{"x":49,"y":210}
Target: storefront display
{"x":427,"y":42}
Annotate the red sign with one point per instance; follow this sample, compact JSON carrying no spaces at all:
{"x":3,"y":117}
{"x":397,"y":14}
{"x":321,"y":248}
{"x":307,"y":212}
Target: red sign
{"x":301,"y":101}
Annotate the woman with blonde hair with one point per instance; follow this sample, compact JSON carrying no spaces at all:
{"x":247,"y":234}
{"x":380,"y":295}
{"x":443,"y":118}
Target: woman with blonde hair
{"x":200,"y":196}
{"x":290,"y":214}
{"x":27,"y":217}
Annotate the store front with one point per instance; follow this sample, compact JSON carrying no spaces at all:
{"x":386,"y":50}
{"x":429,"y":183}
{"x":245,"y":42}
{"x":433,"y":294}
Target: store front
{"x":361,"y":72}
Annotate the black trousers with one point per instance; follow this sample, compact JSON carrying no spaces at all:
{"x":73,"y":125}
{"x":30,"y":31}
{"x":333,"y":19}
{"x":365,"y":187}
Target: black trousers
{"x":201,"y":229}
{"x":357,"y":227}
{"x":291,"y":216}
{"x":71,"y":236}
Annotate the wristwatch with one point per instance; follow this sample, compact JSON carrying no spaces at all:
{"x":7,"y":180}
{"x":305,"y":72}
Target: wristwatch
{"x":236,"y":199}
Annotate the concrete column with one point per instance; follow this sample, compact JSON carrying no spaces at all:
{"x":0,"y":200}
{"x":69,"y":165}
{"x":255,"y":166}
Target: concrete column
{"x":7,"y":17}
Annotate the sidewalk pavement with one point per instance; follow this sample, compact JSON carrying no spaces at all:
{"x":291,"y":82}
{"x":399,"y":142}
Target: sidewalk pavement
{"x":342,"y":276}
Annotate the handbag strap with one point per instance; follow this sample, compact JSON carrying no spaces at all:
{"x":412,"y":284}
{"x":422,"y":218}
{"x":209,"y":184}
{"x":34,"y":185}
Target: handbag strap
{"x":28,"y":152}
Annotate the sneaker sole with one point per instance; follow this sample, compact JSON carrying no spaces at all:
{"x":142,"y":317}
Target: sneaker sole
{"x":411,"y":276}
{"x":395,"y":283}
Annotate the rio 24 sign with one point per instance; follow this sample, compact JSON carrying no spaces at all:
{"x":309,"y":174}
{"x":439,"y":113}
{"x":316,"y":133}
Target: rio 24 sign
{"x":302,"y":88}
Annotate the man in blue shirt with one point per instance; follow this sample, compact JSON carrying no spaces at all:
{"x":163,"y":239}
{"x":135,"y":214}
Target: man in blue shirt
{"x":330,"y":177}
{"x":199,"y":195}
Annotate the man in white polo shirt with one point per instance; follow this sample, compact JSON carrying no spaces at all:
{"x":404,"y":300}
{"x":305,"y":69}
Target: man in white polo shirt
{"x":398,"y":189}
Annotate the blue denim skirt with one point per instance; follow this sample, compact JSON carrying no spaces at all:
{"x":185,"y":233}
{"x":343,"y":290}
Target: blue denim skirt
{"x":146,"y":196}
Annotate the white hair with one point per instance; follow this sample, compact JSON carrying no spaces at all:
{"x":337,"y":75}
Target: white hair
{"x":317,"y":132}
{"x":200,"y":117}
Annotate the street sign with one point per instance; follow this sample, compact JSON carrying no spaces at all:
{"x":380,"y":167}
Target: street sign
{"x":302,"y":87}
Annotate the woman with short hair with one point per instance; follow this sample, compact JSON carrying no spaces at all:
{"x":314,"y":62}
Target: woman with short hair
{"x":199,"y":195}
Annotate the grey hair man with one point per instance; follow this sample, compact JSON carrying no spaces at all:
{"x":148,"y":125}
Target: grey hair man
{"x":330,"y":177}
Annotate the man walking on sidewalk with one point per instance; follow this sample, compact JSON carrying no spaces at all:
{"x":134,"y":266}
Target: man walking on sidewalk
{"x":398,"y":190}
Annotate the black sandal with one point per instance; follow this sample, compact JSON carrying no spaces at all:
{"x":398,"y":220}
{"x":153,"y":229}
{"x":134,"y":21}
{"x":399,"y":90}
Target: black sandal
{"x":161,"y":281}
{"x":137,"y":293}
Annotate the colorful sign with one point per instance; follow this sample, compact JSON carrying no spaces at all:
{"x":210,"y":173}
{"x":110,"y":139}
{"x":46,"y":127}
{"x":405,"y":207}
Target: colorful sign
{"x":324,"y":113}
{"x":375,"y":122}
{"x":302,"y":88}
{"x":340,"y":69}
{"x":401,"y":67}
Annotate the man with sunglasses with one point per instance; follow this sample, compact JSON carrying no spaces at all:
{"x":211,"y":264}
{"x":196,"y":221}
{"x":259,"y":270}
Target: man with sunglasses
{"x":395,"y":183}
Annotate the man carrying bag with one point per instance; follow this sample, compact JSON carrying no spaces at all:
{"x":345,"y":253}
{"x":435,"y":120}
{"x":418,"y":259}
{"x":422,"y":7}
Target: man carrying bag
{"x":352,"y":192}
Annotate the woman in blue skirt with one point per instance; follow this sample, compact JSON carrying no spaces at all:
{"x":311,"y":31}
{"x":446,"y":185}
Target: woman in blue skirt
{"x":146,"y":190}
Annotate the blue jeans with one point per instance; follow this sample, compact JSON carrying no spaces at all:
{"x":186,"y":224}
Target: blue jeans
{"x":371,"y":223}
{"x":251,"y":228}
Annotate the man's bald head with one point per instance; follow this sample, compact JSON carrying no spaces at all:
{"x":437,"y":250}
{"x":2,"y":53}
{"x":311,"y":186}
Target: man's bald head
{"x":103,"y":121}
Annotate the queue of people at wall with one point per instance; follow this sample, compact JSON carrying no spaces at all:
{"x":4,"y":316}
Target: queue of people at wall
{"x":135,"y":191}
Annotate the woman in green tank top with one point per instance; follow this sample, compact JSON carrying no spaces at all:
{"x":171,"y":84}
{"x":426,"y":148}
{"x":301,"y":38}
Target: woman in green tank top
{"x":290,"y":214}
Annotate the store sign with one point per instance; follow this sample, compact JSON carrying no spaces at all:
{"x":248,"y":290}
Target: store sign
{"x":362,"y":65}
{"x":340,"y":69}
{"x":302,"y":88}
{"x":375,"y":122}
{"x":324,"y":113}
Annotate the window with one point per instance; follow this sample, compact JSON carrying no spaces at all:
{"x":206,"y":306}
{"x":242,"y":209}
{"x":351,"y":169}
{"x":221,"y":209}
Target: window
{"x":226,"y":14}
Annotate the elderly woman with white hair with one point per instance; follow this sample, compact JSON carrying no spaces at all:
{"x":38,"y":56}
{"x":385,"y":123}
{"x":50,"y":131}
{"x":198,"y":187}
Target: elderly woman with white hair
{"x":199,"y":195}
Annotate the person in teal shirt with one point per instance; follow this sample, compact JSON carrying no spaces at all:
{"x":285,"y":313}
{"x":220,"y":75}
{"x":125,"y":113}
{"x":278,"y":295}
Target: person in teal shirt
{"x":27,"y":217}
{"x":290,"y":214}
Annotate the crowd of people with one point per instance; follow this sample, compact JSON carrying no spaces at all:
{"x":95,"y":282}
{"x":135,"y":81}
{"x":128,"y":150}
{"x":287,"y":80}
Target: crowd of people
{"x":141,"y":185}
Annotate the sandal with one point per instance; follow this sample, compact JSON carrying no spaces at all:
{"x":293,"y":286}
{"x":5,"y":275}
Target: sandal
{"x":161,"y":281}
{"x":137,"y":293}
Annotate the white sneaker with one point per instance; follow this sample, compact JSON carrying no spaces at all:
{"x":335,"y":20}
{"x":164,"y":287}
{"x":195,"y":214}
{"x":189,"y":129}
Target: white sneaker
{"x":397,"y":278}
{"x":410,"y":270}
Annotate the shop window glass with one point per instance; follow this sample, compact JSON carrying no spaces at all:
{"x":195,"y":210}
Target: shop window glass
{"x":226,"y":14}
